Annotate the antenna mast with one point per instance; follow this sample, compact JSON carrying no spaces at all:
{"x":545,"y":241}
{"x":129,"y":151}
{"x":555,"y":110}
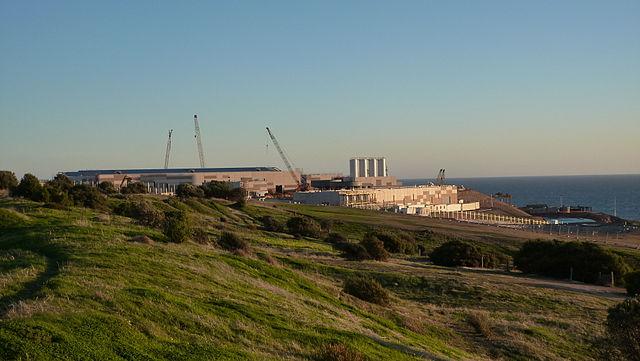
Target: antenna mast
{"x":198,"y":140}
{"x":168,"y":151}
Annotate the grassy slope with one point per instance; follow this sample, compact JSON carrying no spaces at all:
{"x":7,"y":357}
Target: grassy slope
{"x":73,"y":287}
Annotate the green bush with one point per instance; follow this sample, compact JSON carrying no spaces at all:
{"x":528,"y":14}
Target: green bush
{"x":303,"y":226}
{"x":339,"y":352}
{"x":556,"y":259}
{"x":366,"y":289}
{"x":106,"y":187}
{"x":142,"y":211}
{"x":336,"y":238}
{"x":623,"y":327}
{"x":87,"y":196}
{"x":352,"y":251}
{"x":177,"y":227}
{"x":134,"y":188}
{"x":465,"y":254}
{"x":232,"y":242}
{"x":8,"y":179}
{"x":186,"y":190}
{"x":632,"y":283}
{"x":271,"y":224}
{"x":374,"y":247}
{"x":398,"y":242}
{"x":225,"y":190}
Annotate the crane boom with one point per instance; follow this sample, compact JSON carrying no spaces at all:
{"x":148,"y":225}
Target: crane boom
{"x":284,"y":158}
{"x":167,"y":151}
{"x":198,"y":140}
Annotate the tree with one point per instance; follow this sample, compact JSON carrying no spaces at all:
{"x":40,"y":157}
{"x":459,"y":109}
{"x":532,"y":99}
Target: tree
{"x":177,"y":227}
{"x":30,"y":188}
{"x":186,"y":190}
{"x":215,"y":189}
{"x":623,"y":327}
{"x":61,"y":182}
{"x":8,"y":179}
{"x":366,"y":289}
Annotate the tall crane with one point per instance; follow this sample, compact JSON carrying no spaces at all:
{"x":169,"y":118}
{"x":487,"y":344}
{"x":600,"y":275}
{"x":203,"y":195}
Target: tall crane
{"x":440,"y":178}
{"x":198,"y":140}
{"x":168,"y":151}
{"x":284,"y":158}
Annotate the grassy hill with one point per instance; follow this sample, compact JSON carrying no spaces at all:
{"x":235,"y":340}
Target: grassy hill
{"x":74,"y":284}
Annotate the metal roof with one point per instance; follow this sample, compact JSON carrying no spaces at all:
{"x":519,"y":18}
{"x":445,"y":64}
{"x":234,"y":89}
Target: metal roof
{"x":88,"y":172}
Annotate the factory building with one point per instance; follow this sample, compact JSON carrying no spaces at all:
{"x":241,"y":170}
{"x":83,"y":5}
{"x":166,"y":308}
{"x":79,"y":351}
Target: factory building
{"x":256,"y":180}
{"x":367,"y":167}
{"x":381,"y":197}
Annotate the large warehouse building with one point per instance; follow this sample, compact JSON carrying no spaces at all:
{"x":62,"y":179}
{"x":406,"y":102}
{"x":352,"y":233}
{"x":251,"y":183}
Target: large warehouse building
{"x":256,"y":180}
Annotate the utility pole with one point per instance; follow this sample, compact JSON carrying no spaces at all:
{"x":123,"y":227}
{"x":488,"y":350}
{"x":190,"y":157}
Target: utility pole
{"x":198,"y":139}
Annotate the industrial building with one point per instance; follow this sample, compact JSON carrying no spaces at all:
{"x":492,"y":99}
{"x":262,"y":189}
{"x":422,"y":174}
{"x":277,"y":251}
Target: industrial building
{"x":382,"y":197}
{"x":256,"y":180}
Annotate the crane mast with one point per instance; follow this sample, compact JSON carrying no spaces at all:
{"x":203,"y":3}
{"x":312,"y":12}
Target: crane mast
{"x":284,"y":158}
{"x":167,"y":151}
{"x":198,"y":140}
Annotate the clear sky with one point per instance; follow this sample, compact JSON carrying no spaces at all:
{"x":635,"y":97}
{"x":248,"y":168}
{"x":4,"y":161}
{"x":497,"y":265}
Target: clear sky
{"x":481,"y":88}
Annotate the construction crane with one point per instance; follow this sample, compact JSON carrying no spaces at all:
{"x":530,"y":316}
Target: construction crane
{"x":168,"y":151}
{"x":284,"y":159}
{"x":198,"y":140}
{"x":440,"y":178}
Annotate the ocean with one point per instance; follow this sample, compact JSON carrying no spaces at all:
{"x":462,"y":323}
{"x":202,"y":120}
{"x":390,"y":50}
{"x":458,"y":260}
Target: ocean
{"x":604,"y":193}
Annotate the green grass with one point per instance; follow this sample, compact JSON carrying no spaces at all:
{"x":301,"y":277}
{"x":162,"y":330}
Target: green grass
{"x":73,"y":286}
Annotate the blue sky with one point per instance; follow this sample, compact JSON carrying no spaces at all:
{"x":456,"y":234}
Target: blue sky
{"x":481,"y":88}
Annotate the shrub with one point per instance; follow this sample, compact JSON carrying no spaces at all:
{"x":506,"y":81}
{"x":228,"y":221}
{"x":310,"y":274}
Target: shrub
{"x":465,"y":254}
{"x":352,"y":251}
{"x":398,"y":242}
{"x":177,"y":227}
{"x":632,"y":283}
{"x":106,"y":187}
{"x":303,"y":226}
{"x":623,"y":327}
{"x":456,"y":253}
{"x":271,"y":224}
{"x":232,"y":242}
{"x":366,"y":289}
{"x":87,"y":196}
{"x":216,"y":189}
{"x":556,"y":259}
{"x":134,"y":188}
{"x":186,"y":190}
{"x":339,"y":352}
{"x":336,"y":238}
{"x":142,"y":211}
{"x":223,"y":190}
{"x":8,"y":179}
{"x":30,"y":188}
{"x":374,"y":247}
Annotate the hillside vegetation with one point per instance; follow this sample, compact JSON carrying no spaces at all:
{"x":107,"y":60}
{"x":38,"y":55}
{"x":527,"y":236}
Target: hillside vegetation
{"x":77,"y":283}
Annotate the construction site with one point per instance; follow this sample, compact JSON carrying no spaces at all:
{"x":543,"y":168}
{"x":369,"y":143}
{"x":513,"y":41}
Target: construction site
{"x":368,"y":185}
